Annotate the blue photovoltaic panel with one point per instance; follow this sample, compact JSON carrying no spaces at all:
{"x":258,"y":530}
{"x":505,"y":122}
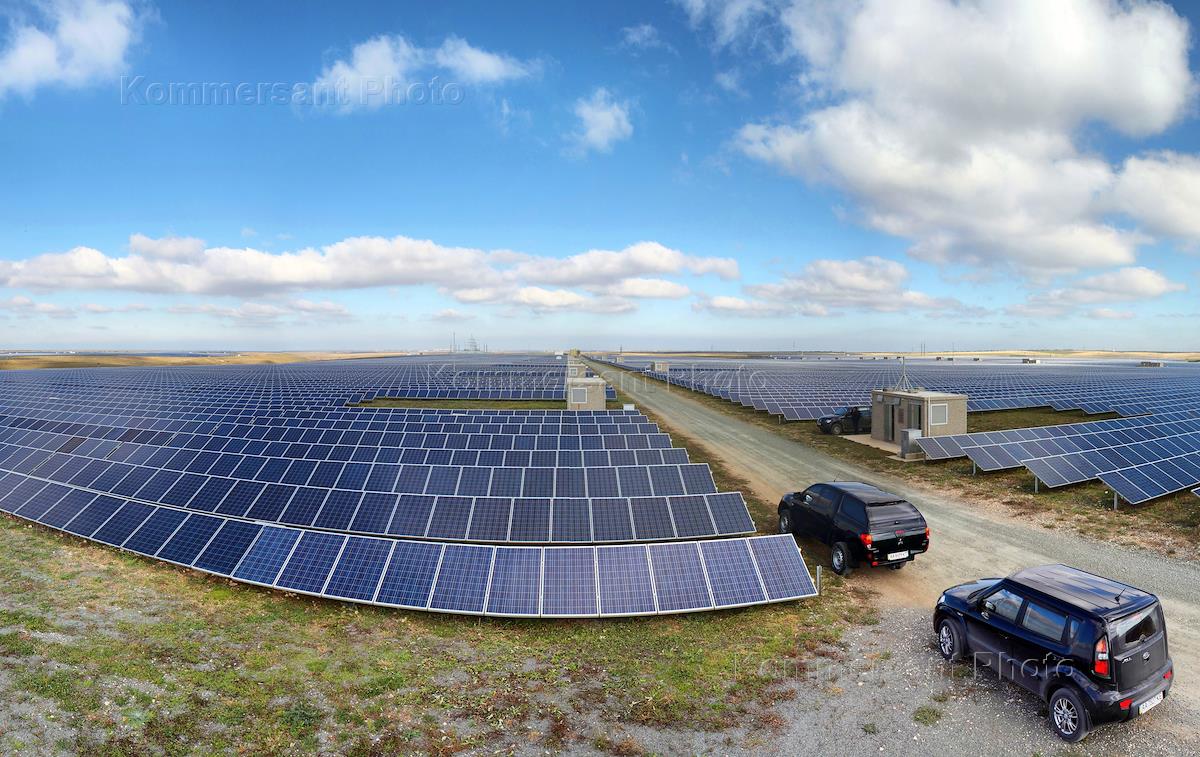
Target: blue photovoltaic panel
{"x":625,"y":585}
{"x":782,"y":568}
{"x":569,"y":582}
{"x":310,"y":562}
{"x":489,"y":519}
{"x":94,"y":516}
{"x":652,"y":518}
{"x":228,"y":547}
{"x":450,"y":518}
{"x":679,"y":580}
{"x":729,"y":511}
{"x":190,"y":539}
{"x":516,"y":581}
{"x":571,"y":520}
{"x":731,"y":572}
{"x":156,"y":530}
{"x":123,"y":523}
{"x":412,"y":515}
{"x":611,"y":520}
{"x":359,"y":569}
{"x":265,"y":559}
{"x":408,"y":580}
{"x":462,"y":578}
{"x":530,"y":520}
{"x":67,"y":508}
{"x":691,"y":517}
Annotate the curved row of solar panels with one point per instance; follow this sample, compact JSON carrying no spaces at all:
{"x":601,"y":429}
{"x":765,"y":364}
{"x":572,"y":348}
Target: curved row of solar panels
{"x":264,"y":475}
{"x":1138,"y":458}
{"x":578,"y":581}
{"x":806,"y":389}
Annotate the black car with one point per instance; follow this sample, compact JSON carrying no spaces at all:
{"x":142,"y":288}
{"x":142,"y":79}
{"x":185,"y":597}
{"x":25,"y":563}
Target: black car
{"x":861,"y":524}
{"x":1093,"y":648}
{"x":846,"y":420}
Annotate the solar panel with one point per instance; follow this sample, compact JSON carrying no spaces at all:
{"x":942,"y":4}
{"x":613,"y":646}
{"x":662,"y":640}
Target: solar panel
{"x":680,"y":583}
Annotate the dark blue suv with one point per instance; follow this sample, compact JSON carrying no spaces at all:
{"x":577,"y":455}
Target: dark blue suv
{"x":1094,"y":649}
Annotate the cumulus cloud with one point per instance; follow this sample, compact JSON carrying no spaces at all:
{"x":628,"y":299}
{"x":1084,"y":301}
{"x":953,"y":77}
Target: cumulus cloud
{"x":267,"y":313}
{"x":71,"y":43}
{"x":97,"y":309}
{"x":954,"y":124}
{"x":1133,"y":284}
{"x":730,"y":19}
{"x":742,"y":307}
{"x":867,"y":284}
{"x":1162,"y":192}
{"x":603,"y":121}
{"x":611,"y":280}
{"x":450,"y":315}
{"x":381,"y":71}
{"x":1108,"y":314}
{"x":475,"y":66}
{"x":24,"y":307}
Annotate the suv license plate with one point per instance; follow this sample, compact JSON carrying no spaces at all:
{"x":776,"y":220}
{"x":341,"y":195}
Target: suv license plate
{"x":1149,"y":704}
{"x":897,"y":555}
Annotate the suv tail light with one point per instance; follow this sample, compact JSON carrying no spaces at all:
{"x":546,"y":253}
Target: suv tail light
{"x":866,"y":540}
{"x":1100,"y":662}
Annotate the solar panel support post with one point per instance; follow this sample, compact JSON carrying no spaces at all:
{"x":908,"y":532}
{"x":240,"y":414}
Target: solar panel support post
{"x":818,"y":580}
{"x":974,"y":468}
{"x":1035,"y":484}
{"x":1116,"y":501}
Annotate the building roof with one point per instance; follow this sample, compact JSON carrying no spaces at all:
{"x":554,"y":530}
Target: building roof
{"x":1087,"y":591}
{"x":925,"y":394}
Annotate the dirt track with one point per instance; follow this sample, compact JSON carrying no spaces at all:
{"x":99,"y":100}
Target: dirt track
{"x":968,"y":541}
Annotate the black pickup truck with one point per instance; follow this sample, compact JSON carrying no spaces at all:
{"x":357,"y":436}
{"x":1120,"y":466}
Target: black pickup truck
{"x":863,"y":525}
{"x":846,"y":420}
{"x":1094,"y":649}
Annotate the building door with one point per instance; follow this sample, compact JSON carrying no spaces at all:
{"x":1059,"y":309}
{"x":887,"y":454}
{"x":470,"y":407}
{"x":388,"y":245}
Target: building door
{"x":889,"y":423}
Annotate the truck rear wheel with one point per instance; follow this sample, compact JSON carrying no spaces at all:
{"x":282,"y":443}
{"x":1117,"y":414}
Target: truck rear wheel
{"x":841,"y":560}
{"x":836,"y":429}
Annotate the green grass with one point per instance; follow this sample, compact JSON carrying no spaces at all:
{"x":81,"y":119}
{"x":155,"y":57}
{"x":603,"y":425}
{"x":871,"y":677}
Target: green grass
{"x":144,"y":657}
{"x":1169,"y":524}
{"x":927,"y":715}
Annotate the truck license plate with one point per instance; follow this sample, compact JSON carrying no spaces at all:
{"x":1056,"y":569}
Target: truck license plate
{"x":1149,"y":704}
{"x":897,"y":555}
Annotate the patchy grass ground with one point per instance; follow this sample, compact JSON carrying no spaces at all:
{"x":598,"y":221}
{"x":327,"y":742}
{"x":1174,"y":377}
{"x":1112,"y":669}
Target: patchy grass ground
{"x":107,"y":653}
{"x":24,"y":362}
{"x":1170,"y":525}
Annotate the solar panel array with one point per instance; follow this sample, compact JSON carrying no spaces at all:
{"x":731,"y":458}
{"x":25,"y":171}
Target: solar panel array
{"x":809,"y":388}
{"x":263,"y":474}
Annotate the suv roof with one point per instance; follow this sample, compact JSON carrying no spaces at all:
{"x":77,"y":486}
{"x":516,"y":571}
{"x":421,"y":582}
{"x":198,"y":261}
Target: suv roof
{"x":1101,"y":596}
{"x":869,"y":495}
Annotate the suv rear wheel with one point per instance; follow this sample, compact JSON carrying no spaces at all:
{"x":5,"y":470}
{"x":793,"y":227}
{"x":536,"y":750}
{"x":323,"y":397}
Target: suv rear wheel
{"x":836,"y":429}
{"x":841,"y":560}
{"x":1068,"y":716}
{"x":785,"y":522}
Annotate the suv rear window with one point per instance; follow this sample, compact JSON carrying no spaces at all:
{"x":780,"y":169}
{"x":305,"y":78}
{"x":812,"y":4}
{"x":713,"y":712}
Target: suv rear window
{"x":1133,"y":629}
{"x":1044,"y":622}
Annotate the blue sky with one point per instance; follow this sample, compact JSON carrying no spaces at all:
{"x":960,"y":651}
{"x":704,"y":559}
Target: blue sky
{"x":753,"y":174}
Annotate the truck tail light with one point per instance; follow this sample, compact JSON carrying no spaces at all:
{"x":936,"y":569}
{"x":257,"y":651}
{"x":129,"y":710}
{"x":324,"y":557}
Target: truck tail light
{"x":866,"y":540}
{"x":1100,"y":663}
{"x":1126,"y":702}
{"x":927,"y":532}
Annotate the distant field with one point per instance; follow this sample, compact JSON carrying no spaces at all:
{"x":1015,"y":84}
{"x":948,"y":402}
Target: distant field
{"x":22,"y":362}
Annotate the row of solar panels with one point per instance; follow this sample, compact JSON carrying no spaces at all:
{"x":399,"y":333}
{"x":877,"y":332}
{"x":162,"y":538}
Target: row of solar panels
{"x":1122,"y":448}
{"x":424,"y":393}
{"x":484,"y":519}
{"x":218,"y":438}
{"x":228,"y":424}
{"x":469,"y":579}
{"x":951,"y":446}
{"x":212,"y":449}
{"x":152,"y":470}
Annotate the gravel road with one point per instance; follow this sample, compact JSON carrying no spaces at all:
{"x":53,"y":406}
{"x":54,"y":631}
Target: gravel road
{"x":968,"y":541}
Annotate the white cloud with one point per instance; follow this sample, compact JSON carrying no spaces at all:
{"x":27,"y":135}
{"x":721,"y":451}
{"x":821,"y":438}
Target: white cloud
{"x":607,"y":266}
{"x":383,"y":70}
{"x":76,"y":43}
{"x":643,"y":36}
{"x":867,"y":284}
{"x":646,"y":288}
{"x":26,"y":308}
{"x":739,"y":306}
{"x":603,"y":121}
{"x":1162,"y":191}
{"x":543,"y":300}
{"x":730,"y":19}
{"x":97,"y":309}
{"x":1108,"y":314}
{"x":167,"y":248}
{"x":297,"y":312}
{"x":1135,"y":284}
{"x":954,"y":124}
{"x":450,"y":315}
{"x":475,"y":66}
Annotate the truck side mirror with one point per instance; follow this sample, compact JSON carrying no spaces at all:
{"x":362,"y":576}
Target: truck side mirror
{"x":989,"y":605}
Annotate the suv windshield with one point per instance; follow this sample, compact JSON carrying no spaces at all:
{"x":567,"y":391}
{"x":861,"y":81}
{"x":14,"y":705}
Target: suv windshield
{"x":841,"y":411}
